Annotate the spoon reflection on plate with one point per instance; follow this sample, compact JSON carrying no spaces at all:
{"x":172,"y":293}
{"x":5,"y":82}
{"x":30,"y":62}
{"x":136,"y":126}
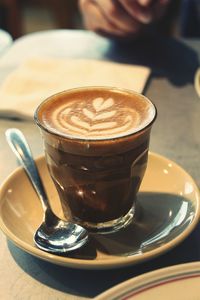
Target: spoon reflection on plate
{"x":54,"y":235}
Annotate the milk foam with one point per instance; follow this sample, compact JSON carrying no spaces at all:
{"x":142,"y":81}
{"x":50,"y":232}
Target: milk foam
{"x":97,"y":115}
{"x":99,"y":118}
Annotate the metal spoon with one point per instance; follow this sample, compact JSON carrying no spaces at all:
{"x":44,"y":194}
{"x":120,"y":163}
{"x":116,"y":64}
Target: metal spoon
{"x":54,"y":235}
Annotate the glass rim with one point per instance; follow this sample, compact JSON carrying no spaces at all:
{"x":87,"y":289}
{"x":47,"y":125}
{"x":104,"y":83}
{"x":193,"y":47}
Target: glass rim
{"x":82,"y":139}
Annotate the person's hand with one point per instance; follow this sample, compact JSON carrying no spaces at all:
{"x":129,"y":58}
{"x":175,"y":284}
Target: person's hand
{"x":121,"y":17}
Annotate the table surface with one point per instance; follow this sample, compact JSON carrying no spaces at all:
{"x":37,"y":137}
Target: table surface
{"x":175,"y":135}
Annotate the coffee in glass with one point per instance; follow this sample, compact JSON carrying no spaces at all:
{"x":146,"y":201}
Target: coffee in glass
{"x":96,"y":142}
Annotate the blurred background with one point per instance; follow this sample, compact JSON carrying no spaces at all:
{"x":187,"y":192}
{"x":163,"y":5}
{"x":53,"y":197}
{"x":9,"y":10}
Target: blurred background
{"x":19,"y":17}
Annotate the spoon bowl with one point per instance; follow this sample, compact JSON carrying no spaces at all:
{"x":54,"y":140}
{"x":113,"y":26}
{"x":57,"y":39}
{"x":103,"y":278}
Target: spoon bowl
{"x":53,"y":235}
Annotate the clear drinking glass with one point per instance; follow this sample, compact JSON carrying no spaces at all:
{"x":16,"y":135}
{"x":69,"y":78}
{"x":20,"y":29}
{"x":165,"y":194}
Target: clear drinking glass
{"x":97,"y":178}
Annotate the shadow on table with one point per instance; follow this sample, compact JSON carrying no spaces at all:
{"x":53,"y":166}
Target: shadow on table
{"x":90,"y":283}
{"x":167,"y":57}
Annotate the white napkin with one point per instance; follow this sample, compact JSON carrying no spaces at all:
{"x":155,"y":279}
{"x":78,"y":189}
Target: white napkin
{"x":38,"y":78}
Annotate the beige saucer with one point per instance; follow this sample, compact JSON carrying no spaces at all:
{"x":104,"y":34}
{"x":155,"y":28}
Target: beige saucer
{"x":197,"y":82}
{"x":167,"y":211}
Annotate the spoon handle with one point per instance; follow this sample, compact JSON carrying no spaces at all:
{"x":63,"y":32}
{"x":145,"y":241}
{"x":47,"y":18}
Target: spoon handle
{"x":21,"y":149}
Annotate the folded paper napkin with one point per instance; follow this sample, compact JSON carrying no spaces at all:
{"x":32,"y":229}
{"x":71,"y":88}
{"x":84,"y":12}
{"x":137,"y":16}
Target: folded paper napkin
{"x":37,"y":78}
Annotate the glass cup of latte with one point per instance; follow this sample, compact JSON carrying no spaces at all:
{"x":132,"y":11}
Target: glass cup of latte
{"x":96,"y":142}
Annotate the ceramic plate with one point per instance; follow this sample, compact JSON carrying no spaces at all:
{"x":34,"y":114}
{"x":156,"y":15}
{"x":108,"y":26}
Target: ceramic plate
{"x":197,"y":81}
{"x":180,"y":282}
{"x":167,"y":211}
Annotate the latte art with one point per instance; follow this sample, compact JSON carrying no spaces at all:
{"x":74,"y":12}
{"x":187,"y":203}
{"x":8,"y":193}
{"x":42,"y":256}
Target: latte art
{"x":96,"y":113}
{"x":96,"y":118}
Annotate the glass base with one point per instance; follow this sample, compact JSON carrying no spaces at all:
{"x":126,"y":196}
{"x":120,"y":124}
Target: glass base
{"x":110,"y":226}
